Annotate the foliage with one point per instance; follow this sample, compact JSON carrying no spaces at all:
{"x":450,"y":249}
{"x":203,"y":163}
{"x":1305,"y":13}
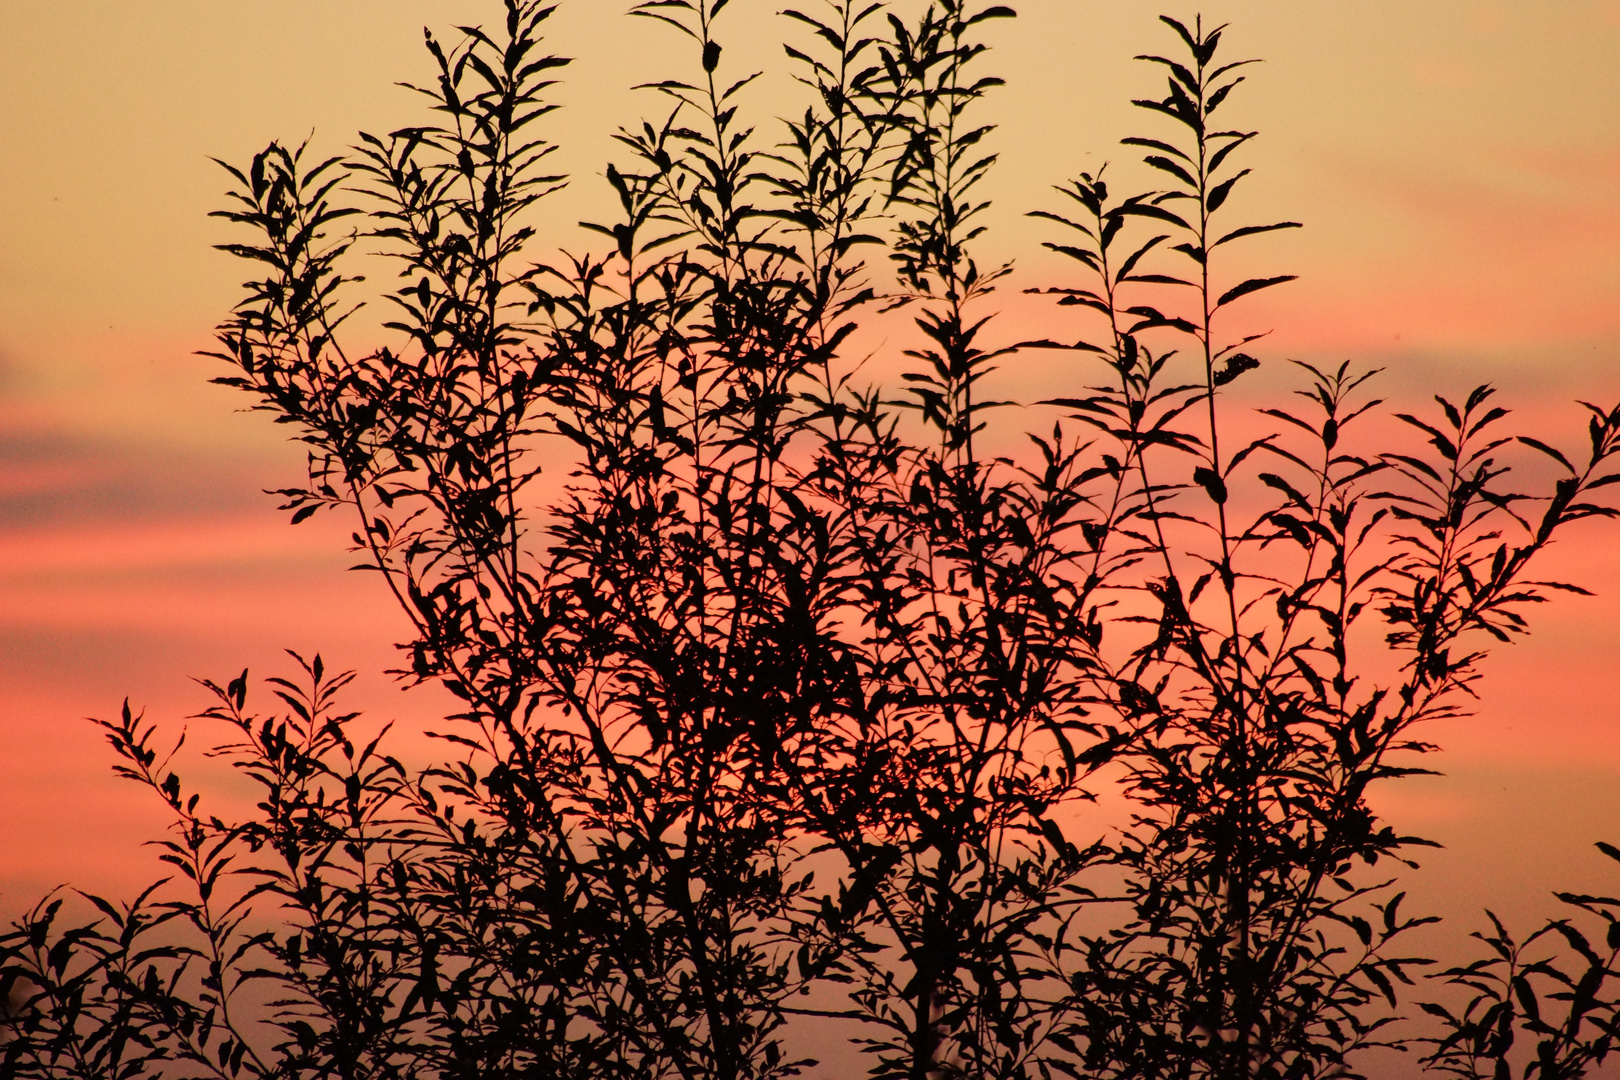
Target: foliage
{"x":782,"y":702}
{"x":1552,"y":988}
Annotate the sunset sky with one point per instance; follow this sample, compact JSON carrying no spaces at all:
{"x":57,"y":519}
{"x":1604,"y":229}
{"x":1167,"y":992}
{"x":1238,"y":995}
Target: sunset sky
{"x":1457,"y":165}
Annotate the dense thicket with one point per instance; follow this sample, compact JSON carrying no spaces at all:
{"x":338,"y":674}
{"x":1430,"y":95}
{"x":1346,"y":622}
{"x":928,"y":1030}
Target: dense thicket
{"x":782,"y":700}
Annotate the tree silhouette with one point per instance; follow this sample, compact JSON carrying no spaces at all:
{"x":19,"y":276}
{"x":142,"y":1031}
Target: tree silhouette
{"x":782,"y":699}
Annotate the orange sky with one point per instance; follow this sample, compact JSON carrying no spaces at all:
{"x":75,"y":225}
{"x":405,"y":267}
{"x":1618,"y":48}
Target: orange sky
{"x":1457,"y":165}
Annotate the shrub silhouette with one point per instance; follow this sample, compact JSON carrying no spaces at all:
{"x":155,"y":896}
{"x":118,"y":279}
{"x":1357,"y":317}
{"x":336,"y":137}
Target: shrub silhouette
{"x":782,"y":700}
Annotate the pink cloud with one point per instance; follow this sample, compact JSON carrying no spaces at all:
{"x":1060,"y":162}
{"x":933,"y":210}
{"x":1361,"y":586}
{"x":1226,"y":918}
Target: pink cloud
{"x":1524,"y":254}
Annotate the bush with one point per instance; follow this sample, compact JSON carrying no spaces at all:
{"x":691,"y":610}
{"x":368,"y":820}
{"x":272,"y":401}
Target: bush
{"x":782,"y":700}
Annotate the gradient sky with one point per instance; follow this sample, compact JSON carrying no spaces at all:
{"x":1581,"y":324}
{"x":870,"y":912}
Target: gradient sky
{"x":1457,"y":166}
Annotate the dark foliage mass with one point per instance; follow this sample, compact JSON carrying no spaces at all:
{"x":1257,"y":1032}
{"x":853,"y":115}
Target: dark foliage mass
{"x":783,"y":701}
